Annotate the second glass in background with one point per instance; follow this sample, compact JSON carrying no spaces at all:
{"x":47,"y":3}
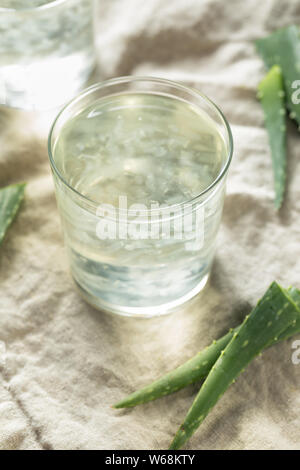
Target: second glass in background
{"x":46,"y":51}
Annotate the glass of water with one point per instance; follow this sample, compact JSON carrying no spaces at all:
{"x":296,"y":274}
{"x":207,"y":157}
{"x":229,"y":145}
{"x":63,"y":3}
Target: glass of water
{"x":46,"y":51}
{"x":139,"y":166}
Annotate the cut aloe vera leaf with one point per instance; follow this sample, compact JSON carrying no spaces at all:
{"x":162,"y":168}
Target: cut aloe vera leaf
{"x":294,"y":328}
{"x":283,"y":48}
{"x":10,"y":200}
{"x":271,"y":95}
{"x":195,"y":369}
{"x":199,"y":366}
{"x":294,"y":293}
{"x":274,"y":313}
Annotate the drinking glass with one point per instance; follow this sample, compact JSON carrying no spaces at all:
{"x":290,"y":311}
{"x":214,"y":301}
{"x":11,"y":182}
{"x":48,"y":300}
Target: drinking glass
{"x":46,"y":51}
{"x":139,"y":167}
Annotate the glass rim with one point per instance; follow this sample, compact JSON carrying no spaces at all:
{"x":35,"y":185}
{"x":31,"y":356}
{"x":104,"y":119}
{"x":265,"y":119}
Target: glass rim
{"x":163,"y":81}
{"x":46,"y":6}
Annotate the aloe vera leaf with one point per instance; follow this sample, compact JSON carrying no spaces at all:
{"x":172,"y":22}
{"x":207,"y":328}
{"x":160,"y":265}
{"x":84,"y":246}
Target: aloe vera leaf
{"x":10,"y":200}
{"x":271,"y":94}
{"x":274,"y":313}
{"x":283,"y":48}
{"x":294,"y":328}
{"x":294,"y":293}
{"x":190,"y":372}
{"x":198,"y":367}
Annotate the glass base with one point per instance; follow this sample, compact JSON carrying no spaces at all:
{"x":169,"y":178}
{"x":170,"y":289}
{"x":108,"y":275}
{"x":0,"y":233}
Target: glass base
{"x":44,"y":86}
{"x":141,"y":312}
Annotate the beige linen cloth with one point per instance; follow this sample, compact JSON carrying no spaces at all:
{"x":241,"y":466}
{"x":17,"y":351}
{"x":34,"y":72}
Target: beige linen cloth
{"x":62,"y":363}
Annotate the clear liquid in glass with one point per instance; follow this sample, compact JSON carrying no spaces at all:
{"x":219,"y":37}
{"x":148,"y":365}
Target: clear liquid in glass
{"x":151,"y":149}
